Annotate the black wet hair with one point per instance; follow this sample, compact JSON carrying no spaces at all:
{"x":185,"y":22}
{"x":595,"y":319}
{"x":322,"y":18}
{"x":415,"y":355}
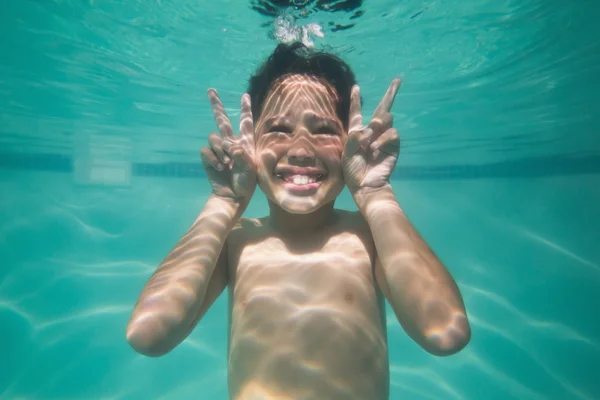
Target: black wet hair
{"x":296,"y":58}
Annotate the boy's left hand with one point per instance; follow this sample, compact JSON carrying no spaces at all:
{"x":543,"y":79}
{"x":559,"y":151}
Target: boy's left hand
{"x":371,"y":151}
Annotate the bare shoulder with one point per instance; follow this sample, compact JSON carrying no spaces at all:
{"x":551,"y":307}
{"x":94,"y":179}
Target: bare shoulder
{"x":247,"y":233}
{"x":248,"y":224}
{"x":247,"y":229}
{"x":353,"y":221}
{"x":352,"y":225}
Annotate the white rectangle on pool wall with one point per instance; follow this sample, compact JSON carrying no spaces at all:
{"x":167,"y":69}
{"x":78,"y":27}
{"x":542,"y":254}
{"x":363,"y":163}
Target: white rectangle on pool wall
{"x":102,"y":160}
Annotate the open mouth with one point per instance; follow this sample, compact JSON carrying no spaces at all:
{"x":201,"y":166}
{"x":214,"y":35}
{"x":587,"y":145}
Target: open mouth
{"x":300,"y":179}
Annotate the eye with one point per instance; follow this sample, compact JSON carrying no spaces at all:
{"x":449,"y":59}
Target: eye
{"x":325,"y":130}
{"x":280,"y":129}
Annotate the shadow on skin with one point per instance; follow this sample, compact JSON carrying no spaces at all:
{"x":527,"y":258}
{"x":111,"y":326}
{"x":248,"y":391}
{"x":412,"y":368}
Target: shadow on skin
{"x":307,"y":318}
{"x":176,"y":297}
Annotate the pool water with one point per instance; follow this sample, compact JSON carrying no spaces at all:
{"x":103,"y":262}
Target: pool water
{"x":103,"y":110}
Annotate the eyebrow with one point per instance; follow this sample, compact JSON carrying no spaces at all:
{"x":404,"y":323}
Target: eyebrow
{"x":269,"y":122}
{"x":314,"y":119}
{"x":321,"y":120}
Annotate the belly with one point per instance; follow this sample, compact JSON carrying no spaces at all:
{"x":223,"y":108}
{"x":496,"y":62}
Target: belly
{"x":307,"y":331}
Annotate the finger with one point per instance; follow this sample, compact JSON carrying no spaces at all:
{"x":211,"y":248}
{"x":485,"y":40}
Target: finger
{"x":246,"y":120}
{"x":388,"y":143}
{"x":368,"y":135}
{"x":215,"y":141}
{"x":352,"y":143}
{"x":357,"y":141}
{"x":230,"y":145}
{"x":219,"y":113}
{"x":242,"y":158}
{"x":355,"y":116}
{"x":210,"y":159}
{"x":242,"y":161}
{"x":226,"y":144}
{"x":381,"y":123}
{"x":385,"y":105}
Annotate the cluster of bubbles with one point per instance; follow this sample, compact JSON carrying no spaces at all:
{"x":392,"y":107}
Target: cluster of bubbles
{"x":286,"y":30}
{"x":288,"y":18}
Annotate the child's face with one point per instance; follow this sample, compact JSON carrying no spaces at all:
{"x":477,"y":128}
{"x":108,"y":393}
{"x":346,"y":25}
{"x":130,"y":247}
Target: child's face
{"x":299,"y":144}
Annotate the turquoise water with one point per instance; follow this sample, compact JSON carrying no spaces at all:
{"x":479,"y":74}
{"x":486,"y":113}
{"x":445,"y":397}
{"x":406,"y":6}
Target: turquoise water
{"x":103,"y":111}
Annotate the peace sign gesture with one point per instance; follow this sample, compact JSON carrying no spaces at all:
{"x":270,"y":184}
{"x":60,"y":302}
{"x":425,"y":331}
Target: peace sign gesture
{"x":228,"y":159}
{"x":371,"y":151}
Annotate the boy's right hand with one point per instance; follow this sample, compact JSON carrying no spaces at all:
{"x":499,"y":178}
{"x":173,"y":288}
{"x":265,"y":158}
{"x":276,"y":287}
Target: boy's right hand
{"x":228,"y":159}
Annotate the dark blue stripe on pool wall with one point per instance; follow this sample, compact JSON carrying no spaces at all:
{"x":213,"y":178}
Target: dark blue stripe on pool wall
{"x":37,"y":161}
{"x":178,"y":170}
{"x":527,"y":167}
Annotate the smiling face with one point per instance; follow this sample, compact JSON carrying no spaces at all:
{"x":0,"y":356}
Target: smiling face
{"x":299,"y":144}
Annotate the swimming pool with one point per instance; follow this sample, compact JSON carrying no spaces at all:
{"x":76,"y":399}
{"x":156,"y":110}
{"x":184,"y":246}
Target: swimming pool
{"x":103,"y":109}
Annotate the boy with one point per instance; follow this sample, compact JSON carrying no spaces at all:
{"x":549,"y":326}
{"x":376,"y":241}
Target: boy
{"x":307,"y":283}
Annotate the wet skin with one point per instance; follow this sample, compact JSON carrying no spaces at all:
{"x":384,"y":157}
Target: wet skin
{"x":307,"y":283}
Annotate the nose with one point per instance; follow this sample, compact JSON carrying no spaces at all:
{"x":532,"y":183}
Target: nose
{"x":301,"y":152}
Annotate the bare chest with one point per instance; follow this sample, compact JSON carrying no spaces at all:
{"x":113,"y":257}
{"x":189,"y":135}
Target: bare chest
{"x":338,"y":268}
{"x":299,"y":309}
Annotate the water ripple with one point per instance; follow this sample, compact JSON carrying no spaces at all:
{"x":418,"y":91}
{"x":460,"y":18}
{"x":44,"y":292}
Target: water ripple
{"x":433,"y":378}
{"x":500,"y":378}
{"x":562,"y":381}
{"x":147,"y":65}
{"x":554,"y":328}
{"x":556,"y":247}
{"x":86,"y":314}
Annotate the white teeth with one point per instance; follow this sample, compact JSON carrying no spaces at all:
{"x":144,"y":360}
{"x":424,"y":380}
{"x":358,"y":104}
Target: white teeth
{"x":299,"y":179}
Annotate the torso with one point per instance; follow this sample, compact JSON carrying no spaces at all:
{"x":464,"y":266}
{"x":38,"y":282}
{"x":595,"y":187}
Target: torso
{"x":307,"y":320}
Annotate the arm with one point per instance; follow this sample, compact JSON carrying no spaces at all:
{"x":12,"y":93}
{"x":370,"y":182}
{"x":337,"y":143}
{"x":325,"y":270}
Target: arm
{"x":194,"y":274}
{"x":420,"y":290}
{"x":186,"y":283}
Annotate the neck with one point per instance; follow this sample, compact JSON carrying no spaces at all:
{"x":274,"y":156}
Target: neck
{"x":299,"y":224}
